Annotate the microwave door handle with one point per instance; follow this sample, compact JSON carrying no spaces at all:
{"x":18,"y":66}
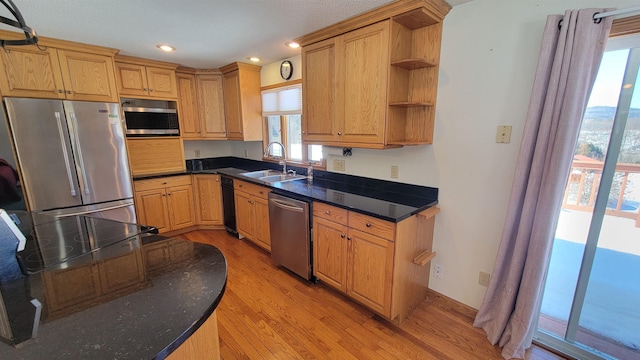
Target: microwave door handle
{"x":65,"y":154}
{"x":79,"y":152}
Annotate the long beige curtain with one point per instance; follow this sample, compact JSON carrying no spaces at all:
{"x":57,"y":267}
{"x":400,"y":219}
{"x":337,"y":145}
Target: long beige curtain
{"x":571,"y":51}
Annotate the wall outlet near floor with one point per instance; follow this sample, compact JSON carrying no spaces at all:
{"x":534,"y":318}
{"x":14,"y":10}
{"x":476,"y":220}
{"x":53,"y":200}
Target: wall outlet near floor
{"x":483,"y":278}
{"x":438,"y":271}
{"x":246,"y":153}
{"x":197,"y":153}
{"x":394,"y":171}
{"x":338,"y":165}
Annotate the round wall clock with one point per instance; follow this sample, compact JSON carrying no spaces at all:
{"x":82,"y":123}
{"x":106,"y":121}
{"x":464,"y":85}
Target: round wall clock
{"x":286,"y":70}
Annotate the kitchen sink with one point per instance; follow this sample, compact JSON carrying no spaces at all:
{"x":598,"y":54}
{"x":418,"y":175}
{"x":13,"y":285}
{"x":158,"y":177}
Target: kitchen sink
{"x":261,"y":173}
{"x":271,"y":176}
{"x":281,"y":178}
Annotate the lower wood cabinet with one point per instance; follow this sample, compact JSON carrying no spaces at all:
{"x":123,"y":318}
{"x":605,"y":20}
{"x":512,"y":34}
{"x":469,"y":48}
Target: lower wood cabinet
{"x":82,"y":286}
{"x":208,"y":199}
{"x":162,"y":254}
{"x":166,"y":203}
{"x":373,"y":261}
{"x":252,"y":212}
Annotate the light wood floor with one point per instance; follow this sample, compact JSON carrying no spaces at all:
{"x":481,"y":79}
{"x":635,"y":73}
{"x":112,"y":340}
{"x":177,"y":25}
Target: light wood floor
{"x":269,"y":313}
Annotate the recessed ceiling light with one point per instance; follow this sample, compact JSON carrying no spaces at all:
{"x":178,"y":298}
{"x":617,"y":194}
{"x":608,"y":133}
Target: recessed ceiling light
{"x":292,"y":44}
{"x":166,"y":48}
{"x":254,"y":58}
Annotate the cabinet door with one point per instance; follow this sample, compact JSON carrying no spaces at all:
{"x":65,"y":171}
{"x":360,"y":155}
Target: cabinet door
{"x":263,"y":231}
{"x":162,"y":82}
{"x":245,"y":214}
{"x":370,"y":266}
{"x":188,"y":106}
{"x":208,"y":199}
{"x":232,"y":105}
{"x":71,"y":286}
{"x":362,"y":95}
{"x":88,"y":77}
{"x":132,"y":79}
{"x":211,"y":106}
{"x":330,"y":253}
{"x":121,"y":272}
{"x":29,"y":72}
{"x":319,"y":91}
{"x":151,"y":208}
{"x":180,"y":203}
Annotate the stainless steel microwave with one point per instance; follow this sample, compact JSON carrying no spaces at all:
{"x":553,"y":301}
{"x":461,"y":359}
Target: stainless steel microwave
{"x":144,"y":121}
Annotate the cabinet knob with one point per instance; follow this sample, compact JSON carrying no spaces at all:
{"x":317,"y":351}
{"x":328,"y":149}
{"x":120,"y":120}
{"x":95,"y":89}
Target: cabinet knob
{"x":327,"y":212}
{"x":250,"y":201}
{"x":368,"y":224}
{"x":68,"y":91}
{"x":342,"y":236}
{"x":348,"y":237}
{"x":261,"y":192}
{"x":240,"y":185}
{"x":151,"y":90}
{"x":164,"y":183}
{"x":217,"y":180}
{"x":169,"y":194}
{"x":60,"y":91}
{"x":339,"y":133}
{"x":145,"y":89}
{"x":164,"y":195}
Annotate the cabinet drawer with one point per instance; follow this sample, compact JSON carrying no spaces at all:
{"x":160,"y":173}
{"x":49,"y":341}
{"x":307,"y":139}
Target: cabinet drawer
{"x":330,"y":213}
{"x":252,"y":189}
{"x":162,"y":182}
{"x":371,"y":225}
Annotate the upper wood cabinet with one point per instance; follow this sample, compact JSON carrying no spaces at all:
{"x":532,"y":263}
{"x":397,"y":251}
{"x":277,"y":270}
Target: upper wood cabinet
{"x":201,"y":105}
{"x":371,"y":81}
{"x":188,"y":105}
{"x":57,"y":74}
{"x":242,"y":101}
{"x":144,"y":78}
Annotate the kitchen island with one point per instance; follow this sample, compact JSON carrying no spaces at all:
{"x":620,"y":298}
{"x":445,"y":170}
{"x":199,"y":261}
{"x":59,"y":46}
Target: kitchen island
{"x":109,"y":295}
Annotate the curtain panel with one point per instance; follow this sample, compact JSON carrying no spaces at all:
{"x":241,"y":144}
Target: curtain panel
{"x":572,"y":47}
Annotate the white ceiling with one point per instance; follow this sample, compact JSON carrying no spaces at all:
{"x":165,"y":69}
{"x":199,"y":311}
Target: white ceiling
{"x":206,"y":33}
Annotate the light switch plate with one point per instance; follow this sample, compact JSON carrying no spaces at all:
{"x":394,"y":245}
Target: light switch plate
{"x":503,"y":136}
{"x":338,"y":165}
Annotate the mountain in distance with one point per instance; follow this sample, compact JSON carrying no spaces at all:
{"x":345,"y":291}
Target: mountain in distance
{"x":606,"y":113}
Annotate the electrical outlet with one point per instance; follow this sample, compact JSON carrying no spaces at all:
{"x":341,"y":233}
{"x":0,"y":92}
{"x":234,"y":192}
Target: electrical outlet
{"x":394,"y":171}
{"x":503,"y":136}
{"x":483,"y":278}
{"x":197,"y":153}
{"x":439,"y":271}
{"x":338,"y":165}
{"x":246,"y":153}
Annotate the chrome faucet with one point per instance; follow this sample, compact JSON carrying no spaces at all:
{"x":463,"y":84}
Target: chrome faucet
{"x":283,"y":161}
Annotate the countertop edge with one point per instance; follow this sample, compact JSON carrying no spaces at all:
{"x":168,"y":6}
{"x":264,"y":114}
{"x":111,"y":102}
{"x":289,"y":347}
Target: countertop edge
{"x":175,"y":344}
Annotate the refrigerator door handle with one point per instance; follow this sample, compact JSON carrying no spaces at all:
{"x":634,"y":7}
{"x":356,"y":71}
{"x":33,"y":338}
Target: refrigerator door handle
{"x":89,"y":212}
{"x":79,"y":152}
{"x":65,"y":154}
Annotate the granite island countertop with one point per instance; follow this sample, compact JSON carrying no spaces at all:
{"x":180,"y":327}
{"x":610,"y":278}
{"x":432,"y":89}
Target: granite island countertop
{"x":119,"y":301}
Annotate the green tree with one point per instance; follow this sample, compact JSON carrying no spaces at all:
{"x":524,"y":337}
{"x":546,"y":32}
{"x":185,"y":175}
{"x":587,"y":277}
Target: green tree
{"x":589,"y":150}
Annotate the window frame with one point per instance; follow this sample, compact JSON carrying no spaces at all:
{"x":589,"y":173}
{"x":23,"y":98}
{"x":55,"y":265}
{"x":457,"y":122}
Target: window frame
{"x":284,"y":128}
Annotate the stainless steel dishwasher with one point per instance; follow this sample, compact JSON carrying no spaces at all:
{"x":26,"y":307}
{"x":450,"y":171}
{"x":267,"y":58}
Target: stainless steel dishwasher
{"x":290,"y":223}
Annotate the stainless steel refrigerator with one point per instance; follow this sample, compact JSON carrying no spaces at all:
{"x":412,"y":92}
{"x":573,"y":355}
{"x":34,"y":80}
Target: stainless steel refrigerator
{"x":72,"y":156}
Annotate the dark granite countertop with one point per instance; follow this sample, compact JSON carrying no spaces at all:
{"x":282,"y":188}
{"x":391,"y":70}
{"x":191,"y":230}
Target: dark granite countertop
{"x":111,"y":302}
{"x":387,"y":200}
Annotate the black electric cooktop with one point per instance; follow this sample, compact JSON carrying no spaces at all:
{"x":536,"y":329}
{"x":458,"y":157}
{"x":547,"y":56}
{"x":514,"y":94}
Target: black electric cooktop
{"x":54,"y":241}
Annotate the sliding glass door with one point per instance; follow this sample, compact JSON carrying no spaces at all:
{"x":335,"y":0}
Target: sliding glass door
{"x":591,"y":303}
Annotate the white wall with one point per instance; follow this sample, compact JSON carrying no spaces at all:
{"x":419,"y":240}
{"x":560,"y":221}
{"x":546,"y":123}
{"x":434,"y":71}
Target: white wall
{"x":270,"y":73}
{"x":487,"y":64}
{"x":488,"y":60}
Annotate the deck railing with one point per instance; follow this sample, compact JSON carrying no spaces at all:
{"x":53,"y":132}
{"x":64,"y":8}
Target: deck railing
{"x":583,"y":183}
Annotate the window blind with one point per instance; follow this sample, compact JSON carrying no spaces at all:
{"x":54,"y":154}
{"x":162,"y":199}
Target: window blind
{"x":286,"y":100}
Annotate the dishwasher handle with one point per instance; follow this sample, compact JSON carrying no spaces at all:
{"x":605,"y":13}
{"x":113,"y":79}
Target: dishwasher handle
{"x":286,"y":206}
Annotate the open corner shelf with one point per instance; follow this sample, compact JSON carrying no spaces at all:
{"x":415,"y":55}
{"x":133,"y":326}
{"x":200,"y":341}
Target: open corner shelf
{"x":412,"y":64}
{"x":415,"y":19}
{"x":410,"y":103}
